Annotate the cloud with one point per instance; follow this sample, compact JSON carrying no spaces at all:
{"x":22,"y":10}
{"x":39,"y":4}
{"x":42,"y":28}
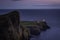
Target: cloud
{"x":29,"y":4}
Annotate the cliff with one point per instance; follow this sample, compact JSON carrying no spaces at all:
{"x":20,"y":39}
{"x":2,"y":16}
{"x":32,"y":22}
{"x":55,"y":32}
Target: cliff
{"x":34,"y":27}
{"x":9,"y":23}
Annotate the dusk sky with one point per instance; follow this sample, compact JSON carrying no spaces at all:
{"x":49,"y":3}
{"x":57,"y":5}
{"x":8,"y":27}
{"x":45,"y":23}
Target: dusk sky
{"x":52,"y":16}
{"x":30,"y":4}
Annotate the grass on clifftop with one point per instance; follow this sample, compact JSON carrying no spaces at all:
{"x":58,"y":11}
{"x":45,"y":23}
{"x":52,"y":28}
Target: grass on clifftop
{"x":27,"y":22}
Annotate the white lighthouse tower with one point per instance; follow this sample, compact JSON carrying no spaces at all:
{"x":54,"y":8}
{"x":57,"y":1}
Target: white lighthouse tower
{"x":43,"y":20}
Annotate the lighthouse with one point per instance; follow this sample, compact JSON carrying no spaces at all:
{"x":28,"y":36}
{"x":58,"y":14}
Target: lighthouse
{"x":43,"y":20}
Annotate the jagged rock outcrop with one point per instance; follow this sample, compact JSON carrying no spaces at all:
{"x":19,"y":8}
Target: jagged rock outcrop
{"x":35,"y":27}
{"x":9,"y":24}
{"x":25,"y":33}
{"x":43,"y":26}
{"x":10,"y":28}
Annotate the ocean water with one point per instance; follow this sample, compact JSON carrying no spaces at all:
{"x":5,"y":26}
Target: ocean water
{"x":52,"y":17}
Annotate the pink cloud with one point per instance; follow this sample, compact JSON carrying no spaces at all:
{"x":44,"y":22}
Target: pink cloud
{"x":46,"y":1}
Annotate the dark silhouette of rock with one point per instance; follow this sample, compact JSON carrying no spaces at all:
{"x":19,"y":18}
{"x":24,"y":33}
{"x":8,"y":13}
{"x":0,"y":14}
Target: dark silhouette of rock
{"x":25,"y":33}
{"x":9,"y":24}
{"x":34,"y":30}
{"x":43,"y":26}
{"x":40,"y":26}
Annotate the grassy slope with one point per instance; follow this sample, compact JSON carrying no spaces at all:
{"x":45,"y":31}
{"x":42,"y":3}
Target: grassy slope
{"x":28,"y":23}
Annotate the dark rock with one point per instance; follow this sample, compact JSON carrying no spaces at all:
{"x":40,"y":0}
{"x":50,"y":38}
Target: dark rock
{"x":34,"y":30}
{"x":43,"y":26}
{"x":5,"y":24}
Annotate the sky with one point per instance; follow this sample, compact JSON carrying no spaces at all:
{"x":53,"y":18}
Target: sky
{"x":30,"y":4}
{"x":51,"y":16}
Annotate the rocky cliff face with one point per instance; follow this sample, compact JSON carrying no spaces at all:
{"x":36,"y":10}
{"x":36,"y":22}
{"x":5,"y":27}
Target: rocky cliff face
{"x":34,"y":27}
{"x":43,"y":26}
{"x":10,"y":29}
{"x":9,"y":23}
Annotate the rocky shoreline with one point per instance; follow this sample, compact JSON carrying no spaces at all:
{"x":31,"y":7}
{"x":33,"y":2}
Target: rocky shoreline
{"x":37,"y":28}
{"x":11,"y":29}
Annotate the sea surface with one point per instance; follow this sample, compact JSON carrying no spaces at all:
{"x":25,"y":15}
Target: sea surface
{"x":52,"y":17}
